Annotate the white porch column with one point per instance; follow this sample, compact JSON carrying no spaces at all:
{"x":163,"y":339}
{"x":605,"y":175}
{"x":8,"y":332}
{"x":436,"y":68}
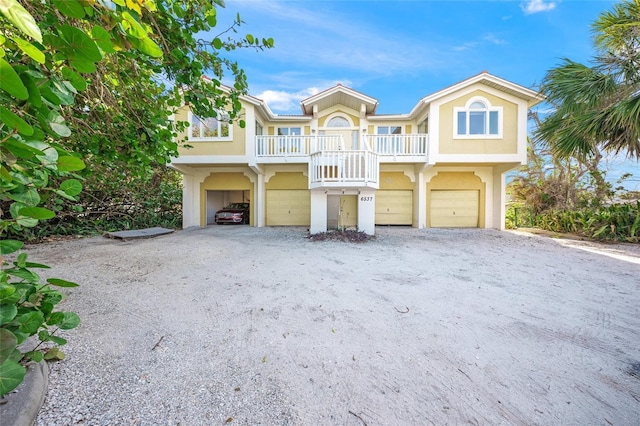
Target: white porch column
{"x":499,"y":200}
{"x":318,"y":212}
{"x":260,"y":196}
{"x":420,"y":204}
{"x":190,"y":201}
{"x":367,"y":211}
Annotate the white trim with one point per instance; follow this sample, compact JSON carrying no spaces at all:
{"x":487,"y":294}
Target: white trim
{"x":211,"y":159}
{"x":528,"y":95}
{"x":477,"y":158}
{"x":390,"y":117}
{"x":338,"y":115}
{"x":389,"y":126}
{"x":488,"y":109}
{"x":190,"y":137}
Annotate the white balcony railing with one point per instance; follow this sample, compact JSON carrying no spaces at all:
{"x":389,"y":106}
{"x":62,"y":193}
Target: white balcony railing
{"x":302,"y":146}
{"x":296,"y":146}
{"x":283,"y":146}
{"x":399,"y":145}
{"x":343,"y":167}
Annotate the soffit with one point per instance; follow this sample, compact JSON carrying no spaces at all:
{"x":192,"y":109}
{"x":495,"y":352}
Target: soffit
{"x":339,"y":95}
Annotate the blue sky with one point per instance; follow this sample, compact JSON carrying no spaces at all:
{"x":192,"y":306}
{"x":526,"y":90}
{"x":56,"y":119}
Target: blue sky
{"x":401,"y":51}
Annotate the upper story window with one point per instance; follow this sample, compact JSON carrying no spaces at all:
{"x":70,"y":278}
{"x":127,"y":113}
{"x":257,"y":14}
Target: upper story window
{"x":289,"y":131}
{"x":292,"y":142}
{"x":210,"y":129}
{"x":478,"y":119}
{"x":423,"y":127}
{"x":391,"y":144}
{"x":338,"y":122}
{"x":389,"y":130}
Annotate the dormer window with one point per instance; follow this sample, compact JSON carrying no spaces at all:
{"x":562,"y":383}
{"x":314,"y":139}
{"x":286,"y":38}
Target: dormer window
{"x":478,"y":119}
{"x":211,"y":128}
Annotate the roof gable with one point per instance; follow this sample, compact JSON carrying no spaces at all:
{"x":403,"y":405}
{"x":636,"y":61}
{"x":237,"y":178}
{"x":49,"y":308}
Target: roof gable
{"x":339,"y":95}
{"x":531,"y":96}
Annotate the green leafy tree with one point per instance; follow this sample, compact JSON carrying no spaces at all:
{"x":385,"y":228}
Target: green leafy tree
{"x":89,"y":82}
{"x":598,"y":106}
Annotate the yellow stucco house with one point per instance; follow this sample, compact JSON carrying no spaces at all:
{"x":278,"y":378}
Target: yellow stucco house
{"x":339,"y":164}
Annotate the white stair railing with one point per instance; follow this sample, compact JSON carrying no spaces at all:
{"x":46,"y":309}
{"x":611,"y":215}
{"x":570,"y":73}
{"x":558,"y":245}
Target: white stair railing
{"x":327,"y":143}
{"x":358,"y":167}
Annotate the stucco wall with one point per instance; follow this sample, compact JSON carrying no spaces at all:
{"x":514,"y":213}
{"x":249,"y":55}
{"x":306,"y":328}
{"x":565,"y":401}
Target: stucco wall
{"x":340,"y":110}
{"x":395,"y":180}
{"x":288,"y":180}
{"x":222,"y":147}
{"x":506,"y":145}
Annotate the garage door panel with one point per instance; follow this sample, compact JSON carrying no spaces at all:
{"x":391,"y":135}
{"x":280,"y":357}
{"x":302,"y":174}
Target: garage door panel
{"x":455,"y":209}
{"x":288,"y":207}
{"x":394,"y":207}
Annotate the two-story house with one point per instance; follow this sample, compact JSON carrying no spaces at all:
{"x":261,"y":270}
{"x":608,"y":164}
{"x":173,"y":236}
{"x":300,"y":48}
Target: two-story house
{"x":339,"y":164}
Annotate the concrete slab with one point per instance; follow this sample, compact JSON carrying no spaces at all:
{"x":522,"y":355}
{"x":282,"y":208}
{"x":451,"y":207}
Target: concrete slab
{"x":20,"y":407}
{"x":138,"y":233}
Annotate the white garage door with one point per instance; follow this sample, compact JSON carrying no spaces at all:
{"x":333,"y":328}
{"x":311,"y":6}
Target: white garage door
{"x":455,"y":209}
{"x":287,"y":207}
{"x":394,"y":207}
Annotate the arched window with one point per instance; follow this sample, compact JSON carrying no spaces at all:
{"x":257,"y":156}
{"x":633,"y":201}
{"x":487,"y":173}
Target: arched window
{"x":338,"y":122}
{"x":478,"y":119}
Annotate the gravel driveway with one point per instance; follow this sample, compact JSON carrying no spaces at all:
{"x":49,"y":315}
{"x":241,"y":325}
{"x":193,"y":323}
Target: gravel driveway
{"x":239,"y":325}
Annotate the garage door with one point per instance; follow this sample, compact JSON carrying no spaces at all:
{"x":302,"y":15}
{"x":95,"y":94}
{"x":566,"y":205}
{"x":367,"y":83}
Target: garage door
{"x":394,"y":207}
{"x":454,"y":209}
{"x":287,"y":207}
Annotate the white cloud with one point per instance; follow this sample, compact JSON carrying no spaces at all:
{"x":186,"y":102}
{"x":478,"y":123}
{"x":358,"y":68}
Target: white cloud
{"x":282,"y":101}
{"x":530,"y":7}
{"x":492,"y":38}
{"x":327,"y":38}
{"x":465,"y":46}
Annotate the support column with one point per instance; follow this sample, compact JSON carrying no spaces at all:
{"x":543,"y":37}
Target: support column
{"x":190,"y":201}
{"x":420,"y":204}
{"x":318,"y":212}
{"x":367,"y":211}
{"x":499,"y":201}
{"x":260,"y":195}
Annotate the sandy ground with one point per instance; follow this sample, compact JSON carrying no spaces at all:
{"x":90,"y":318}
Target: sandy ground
{"x":239,"y":325}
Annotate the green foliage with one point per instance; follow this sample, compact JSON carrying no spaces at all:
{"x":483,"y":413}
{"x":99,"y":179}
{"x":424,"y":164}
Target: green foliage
{"x":619,"y":222}
{"x":101,"y":79}
{"x":27,"y":309}
{"x":598,"y":107}
{"x":111,"y":201}
{"x":570,"y":195}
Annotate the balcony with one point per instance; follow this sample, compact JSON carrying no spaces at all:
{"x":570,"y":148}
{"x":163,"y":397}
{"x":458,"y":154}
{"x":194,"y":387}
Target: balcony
{"x":332,"y":165}
{"x":413,"y":147}
{"x":269,"y":148}
{"x":410,"y":147}
{"x":343,"y":169}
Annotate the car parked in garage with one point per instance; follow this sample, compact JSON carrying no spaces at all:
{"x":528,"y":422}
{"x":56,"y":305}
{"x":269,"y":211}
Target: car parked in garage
{"x":233,"y":213}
